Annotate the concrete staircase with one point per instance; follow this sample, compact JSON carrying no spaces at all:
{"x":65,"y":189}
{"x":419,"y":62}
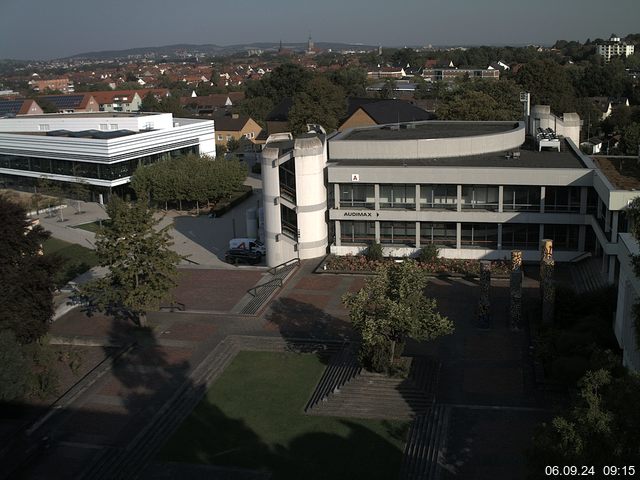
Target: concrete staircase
{"x":263,"y":292}
{"x":374,"y":395}
{"x":587,"y":276}
{"x":425,"y":444}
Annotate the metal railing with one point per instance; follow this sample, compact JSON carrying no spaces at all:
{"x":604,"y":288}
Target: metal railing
{"x":254,"y":291}
{"x":277,"y":268}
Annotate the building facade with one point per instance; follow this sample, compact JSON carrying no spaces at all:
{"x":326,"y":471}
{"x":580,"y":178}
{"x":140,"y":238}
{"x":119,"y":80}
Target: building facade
{"x":100,"y":150}
{"x":615,"y":48}
{"x":476,"y":190}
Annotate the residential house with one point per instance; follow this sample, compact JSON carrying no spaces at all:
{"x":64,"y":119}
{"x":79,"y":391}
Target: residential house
{"x":236,"y":127}
{"x":614,"y":47}
{"x":23,"y":106}
{"x":73,"y":103}
{"x":363,"y":112}
{"x":118,"y":100}
{"x":63,"y":85}
{"x":387,"y":72}
{"x":209,"y":104}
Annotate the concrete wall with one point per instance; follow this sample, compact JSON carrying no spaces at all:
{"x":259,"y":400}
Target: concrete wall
{"x":429,"y":148}
{"x":82,"y":121}
{"x":568,"y":126}
{"x":628,"y":293}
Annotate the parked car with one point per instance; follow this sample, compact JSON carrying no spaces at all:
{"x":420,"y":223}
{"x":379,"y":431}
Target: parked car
{"x":242,"y":255}
{"x":249,"y":244}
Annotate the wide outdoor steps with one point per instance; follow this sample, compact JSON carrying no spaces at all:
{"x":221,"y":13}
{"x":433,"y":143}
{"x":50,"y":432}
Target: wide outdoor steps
{"x":264,"y":293}
{"x":587,"y":276}
{"x":425,"y":445}
{"x":373,"y":395}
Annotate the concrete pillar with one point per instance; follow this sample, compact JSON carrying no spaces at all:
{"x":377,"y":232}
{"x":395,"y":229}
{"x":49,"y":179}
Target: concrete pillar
{"x":584,"y":192}
{"x":607,"y":220}
{"x":500,"y":201}
{"x":547,"y":281}
{"x":484,"y":305}
{"x":459,"y":199}
{"x":417,"y":198}
{"x":614,"y":226}
{"x":336,"y":195}
{"x":499,"y":236}
{"x":338,"y":232}
{"x":377,"y":228}
{"x":458,"y":235}
{"x":582,"y":236}
{"x":542,"y":197}
{"x":418,"y":234}
{"x":541,"y":235}
{"x":271,"y":205}
{"x":376,"y":196}
{"x":515,"y":291}
{"x":611,"y":277}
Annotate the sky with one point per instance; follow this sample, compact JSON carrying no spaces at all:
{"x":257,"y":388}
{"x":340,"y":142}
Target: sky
{"x":39,"y":29}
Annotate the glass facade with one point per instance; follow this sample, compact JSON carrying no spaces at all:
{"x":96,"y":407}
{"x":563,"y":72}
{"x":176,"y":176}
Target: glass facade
{"x":522,"y":236}
{"x":443,"y":197}
{"x":565,"y":237}
{"x":287,"y":172}
{"x":521,"y":199}
{"x":289,"y":222}
{"x":398,"y":233}
{"x":562,"y":199}
{"x":479,"y":235}
{"x":398,"y":196}
{"x":94,"y":170}
{"x":442,"y":234}
{"x":357,"y":196}
{"x":479,"y":197}
{"x":357,"y":233}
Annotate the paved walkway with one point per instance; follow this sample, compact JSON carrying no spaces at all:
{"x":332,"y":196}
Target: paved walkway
{"x":483,"y":370}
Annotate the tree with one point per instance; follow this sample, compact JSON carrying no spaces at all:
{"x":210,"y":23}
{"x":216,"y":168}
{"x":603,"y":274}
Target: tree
{"x":142,"y":267}
{"x":630,"y":141}
{"x":353,"y":81}
{"x":257,"y":108}
{"x":601,"y":428}
{"x":390,"y":308}
{"x":549,"y":84}
{"x":321,"y":102}
{"x":150,"y":103}
{"x":14,"y":365}
{"x":26,"y":282}
{"x":481,"y":100}
{"x":388,"y":88}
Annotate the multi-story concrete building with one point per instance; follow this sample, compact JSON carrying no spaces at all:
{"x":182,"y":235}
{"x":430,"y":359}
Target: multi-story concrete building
{"x":477,"y":190}
{"x":99,"y":149}
{"x":614,"y":48}
{"x":450,"y":74}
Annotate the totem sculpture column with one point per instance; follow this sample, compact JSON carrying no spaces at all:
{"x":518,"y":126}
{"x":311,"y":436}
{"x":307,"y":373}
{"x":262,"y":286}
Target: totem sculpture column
{"x":515,"y":291}
{"x":484,"y":304}
{"x":547,"y":283}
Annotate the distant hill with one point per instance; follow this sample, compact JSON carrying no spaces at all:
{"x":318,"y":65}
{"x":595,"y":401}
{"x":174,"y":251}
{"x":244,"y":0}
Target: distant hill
{"x":209,"y":49}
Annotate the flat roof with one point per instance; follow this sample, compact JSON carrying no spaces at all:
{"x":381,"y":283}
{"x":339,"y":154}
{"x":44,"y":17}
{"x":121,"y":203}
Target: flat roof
{"x":88,"y":115}
{"x":427,"y":130}
{"x":529,"y":158}
{"x":622,"y":172}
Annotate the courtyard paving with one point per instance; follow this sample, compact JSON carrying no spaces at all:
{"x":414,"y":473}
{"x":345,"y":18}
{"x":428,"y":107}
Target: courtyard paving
{"x":486,"y":374}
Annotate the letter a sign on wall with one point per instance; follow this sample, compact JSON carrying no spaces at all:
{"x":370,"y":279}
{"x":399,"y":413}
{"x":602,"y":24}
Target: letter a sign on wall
{"x":355,"y":177}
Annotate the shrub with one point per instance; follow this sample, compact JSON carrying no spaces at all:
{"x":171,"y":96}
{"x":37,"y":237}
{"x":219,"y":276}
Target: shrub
{"x":374,"y":252}
{"x":375,"y":356}
{"x":429,"y":253}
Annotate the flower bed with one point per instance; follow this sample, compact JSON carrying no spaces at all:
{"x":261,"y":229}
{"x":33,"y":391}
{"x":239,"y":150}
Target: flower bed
{"x":441,"y":266}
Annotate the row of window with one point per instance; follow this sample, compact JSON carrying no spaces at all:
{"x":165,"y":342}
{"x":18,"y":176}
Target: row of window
{"x":92,"y":170}
{"x":445,"y":197}
{"x":473,"y":235}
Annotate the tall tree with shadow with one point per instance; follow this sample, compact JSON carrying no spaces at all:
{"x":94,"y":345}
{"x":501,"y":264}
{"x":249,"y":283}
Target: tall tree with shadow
{"x":142,"y":266}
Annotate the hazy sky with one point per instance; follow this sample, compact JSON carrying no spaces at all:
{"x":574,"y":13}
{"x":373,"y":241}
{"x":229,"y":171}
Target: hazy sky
{"x":38,"y":29}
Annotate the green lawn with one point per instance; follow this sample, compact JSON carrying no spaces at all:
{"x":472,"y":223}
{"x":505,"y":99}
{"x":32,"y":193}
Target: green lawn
{"x":77,"y":259}
{"x":91,"y":227}
{"x":252,"y":418}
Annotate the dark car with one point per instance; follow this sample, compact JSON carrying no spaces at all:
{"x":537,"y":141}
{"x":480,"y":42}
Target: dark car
{"x":242,"y":255}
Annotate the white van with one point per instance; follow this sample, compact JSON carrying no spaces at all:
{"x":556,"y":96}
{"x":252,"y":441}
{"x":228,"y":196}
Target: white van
{"x":248,"y":244}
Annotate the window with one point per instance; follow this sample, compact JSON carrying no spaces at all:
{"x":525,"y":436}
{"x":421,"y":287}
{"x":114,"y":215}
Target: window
{"x":442,"y":197}
{"x":565,"y":237}
{"x":113,"y":126}
{"x":520,"y":236}
{"x":43,"y":127}
{"x":398,"y":196}
{"x":442,"y":234}
{"x":358,"y":233}
{"x":479,"y":197}
{"x":103,"y":126}
{"x":562,"y":199}
{"x":521,"y":199}
{"x":479,"y":235}
{"x":289,"y":222}
{"x":399,"y":233}
{"x":357,"y":196}
{"x":229,"y":137}
{"x":287,"y":172}
{"x":220,"y":137}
